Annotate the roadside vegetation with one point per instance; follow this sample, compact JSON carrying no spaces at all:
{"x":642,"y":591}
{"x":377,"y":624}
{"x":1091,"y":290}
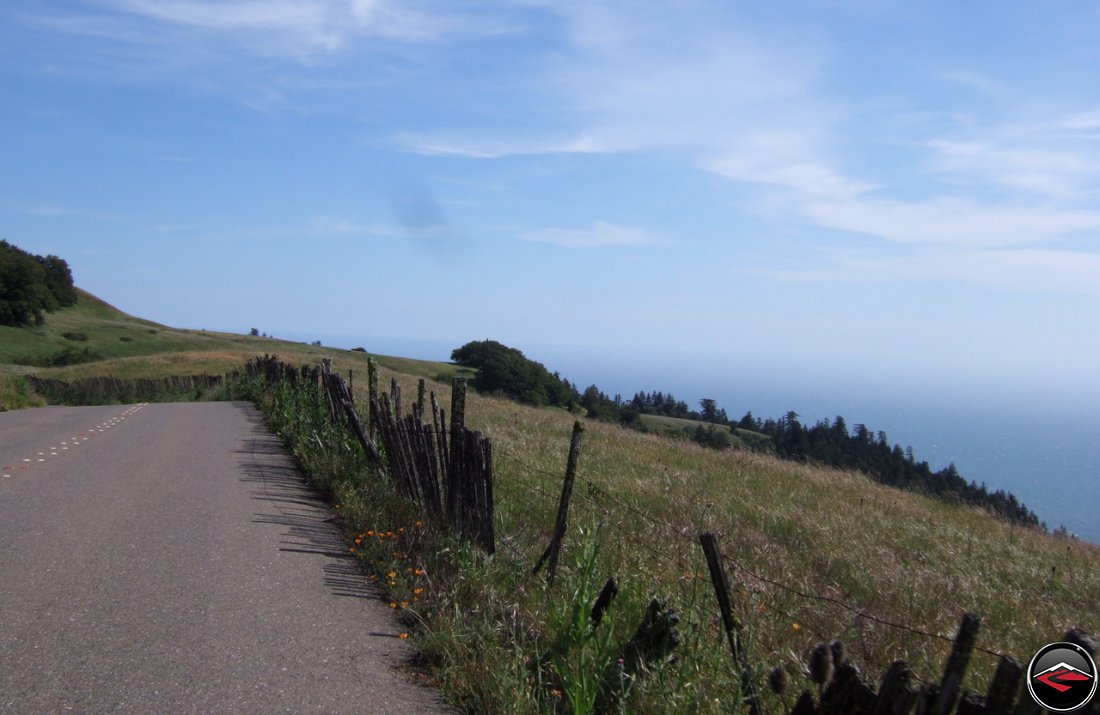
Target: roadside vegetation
{"x":814,"y":554}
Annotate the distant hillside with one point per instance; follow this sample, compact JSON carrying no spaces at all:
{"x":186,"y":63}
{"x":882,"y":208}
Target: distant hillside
{"x":93,"y":337}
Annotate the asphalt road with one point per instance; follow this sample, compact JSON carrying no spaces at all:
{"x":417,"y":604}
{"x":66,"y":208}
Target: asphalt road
{"x":168,"y":558}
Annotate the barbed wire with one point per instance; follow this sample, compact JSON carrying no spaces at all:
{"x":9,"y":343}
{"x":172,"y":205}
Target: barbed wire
{"x":738,"y":566}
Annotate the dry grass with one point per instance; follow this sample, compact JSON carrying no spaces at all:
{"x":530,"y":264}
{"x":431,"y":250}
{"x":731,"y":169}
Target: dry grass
{"x":897,"y":556}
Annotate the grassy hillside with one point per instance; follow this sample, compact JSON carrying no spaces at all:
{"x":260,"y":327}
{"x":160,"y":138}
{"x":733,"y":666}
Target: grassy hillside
{"x":809,"y":550}
{"x":107,"y":341}
{"x":680,"y":427}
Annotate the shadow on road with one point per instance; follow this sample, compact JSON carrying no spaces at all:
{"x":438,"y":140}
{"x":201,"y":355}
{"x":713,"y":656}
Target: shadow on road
{"x":288,"y":500}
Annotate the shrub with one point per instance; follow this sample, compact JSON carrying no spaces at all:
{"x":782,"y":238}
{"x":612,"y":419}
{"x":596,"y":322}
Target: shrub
{"x":67,"y":356}
{"x":74,"y":336}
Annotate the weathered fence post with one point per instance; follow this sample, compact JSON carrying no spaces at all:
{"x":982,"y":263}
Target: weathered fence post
{"x":1005,"y":686}
{"x":957,"y":662}
{"x":365,"y":441}
{"x":455,"y":468}
{"x":420,"y":399}
{"x":372,"y":395}
{"x":561,"y":522}
{"x":729,"y":620}
{"x":326,"y":371}
{"x":895,"y":694}
{"x":395,"y":397}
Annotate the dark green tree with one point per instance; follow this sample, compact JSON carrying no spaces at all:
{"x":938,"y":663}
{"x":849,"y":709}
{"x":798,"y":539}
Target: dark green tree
{"x":507,"y":371}
{"x":31,"y":286}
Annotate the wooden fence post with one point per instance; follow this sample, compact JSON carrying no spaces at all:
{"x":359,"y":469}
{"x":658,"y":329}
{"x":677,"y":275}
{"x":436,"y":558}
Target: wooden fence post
{"x":326,"y":371}
{"x":439,"y":423}
{"x":420,"y":399}
{"x":1005,"y":686}
{"x":372,"y":395}
{"x":455,"y":468}
{"x":561,"y":522}
{"x":356,"y":427}
{"x":896,"y":696}
{"x":729,"y":620}
{"x":957,"y":662}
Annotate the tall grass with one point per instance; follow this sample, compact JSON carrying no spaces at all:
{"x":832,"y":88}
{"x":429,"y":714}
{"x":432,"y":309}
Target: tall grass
{"x":16,"y":394}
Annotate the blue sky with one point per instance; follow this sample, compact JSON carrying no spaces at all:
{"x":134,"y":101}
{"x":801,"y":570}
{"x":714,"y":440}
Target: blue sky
{"x":901,"y":191}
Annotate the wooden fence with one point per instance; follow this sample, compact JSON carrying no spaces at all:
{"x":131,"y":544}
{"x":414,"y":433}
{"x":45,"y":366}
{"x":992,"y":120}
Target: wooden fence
{"x":447,"y":471}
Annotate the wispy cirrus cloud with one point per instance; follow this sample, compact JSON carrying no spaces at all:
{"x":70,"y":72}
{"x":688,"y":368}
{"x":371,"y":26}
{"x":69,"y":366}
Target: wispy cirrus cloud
{"x":628,"y":79}
{"x":196,"y":32}
{"x":958,"y":222}
{"x":1057,"y":155}
{"x":494,"y":148}
{"x":1015,"y":269}
{"x":600,"y":235}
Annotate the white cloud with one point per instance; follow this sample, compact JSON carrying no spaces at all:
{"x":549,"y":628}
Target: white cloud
{"x":1024,"y":269}
{"x":494,"y":147}
{"x":805,"y":177}
{"x":1056,"y":155}
{"x":635,"y":78}
{"x":336,"y":226}
{"x":954,"y":222}
{"x":192,"y":32}
{"x":1083,"y":121}
{"x":600,"y":235}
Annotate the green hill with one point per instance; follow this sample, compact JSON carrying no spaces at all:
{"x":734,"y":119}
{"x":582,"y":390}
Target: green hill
{"x":685,"y":428}
{"x":94,"y":338}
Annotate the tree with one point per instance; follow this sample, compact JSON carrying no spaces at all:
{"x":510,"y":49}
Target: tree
{"x":254,"y":332}
{"x":709,"y":409}
{"x":32,"y":285}
{"x":508,"y":371}
{"x":59,"y":281}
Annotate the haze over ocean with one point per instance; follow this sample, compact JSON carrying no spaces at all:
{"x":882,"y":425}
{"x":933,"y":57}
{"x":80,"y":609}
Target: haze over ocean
{"x":1038,"y":443}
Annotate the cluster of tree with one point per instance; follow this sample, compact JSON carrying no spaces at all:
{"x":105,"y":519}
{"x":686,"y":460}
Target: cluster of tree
{"x":833,"y":444}
{"x":507,"y":371}
{"x":658,"y":403}
{"x":31,"y":286}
